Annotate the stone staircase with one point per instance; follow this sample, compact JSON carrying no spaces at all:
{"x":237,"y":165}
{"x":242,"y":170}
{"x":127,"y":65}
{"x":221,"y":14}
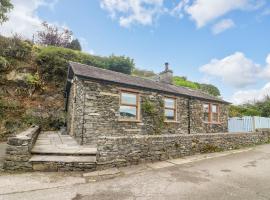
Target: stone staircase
{"x":56,"y":152}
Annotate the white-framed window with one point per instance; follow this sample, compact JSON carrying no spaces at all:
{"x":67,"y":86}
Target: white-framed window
{"x":170,"y":109}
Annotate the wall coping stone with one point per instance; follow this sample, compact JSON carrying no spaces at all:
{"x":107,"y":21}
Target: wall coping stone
{"x":182,"y":135}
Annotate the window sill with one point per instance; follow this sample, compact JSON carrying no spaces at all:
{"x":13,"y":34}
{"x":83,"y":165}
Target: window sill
{"x":176,"y":122}
{"x":130,"y":120}
{"x":218,"y":123}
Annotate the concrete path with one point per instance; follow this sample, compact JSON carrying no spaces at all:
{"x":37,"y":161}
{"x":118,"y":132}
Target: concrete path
{"x":234,"y":175}
{"x":52,"y":142}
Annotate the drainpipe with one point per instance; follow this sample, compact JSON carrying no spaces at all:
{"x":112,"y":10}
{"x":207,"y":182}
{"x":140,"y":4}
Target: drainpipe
{"x":189,"y":114}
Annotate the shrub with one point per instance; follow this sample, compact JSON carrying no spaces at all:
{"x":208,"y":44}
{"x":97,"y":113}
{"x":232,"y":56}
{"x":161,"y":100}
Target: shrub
{"x":15,"y":48}
{"x":3,"y":64}
{"x":181,"y":81}
{"x":53,"y":62}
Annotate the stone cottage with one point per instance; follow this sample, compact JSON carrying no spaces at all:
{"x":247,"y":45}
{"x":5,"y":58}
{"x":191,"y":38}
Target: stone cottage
{"x":101,"y":102}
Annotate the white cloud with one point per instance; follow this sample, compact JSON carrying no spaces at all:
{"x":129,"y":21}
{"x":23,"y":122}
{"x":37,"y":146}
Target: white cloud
{"x":23,"y":19}
{"x":130,"y":12}
{"x":235,"y":70}
{"x":204,"y":11}
{"x":249,"y":96}
{"x":266,"y":71}
{"x":222,"y":26}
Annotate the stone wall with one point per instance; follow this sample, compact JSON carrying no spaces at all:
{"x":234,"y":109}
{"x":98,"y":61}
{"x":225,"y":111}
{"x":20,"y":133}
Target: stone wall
{"x":18,"y":151}
{"x":97,"y":114}
{"x":126,"y":150}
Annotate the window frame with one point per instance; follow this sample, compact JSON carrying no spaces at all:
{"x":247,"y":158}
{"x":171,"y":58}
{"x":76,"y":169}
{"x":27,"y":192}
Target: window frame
{"x":137,"y":105}
{"x":168,"y":108}
{"x":210,"y":113}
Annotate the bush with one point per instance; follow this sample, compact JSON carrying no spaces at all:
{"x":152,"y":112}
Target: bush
{"x":210,"y":89}
{"x":53,"y":62}
{"x":15,"y":48}
{"x":180,"y":81}
{"x":3,"y":64}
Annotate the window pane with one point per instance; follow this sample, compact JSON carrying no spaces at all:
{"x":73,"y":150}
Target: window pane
{"x":128,"y":98}
{"x":214,"y":117}
{"x":128,"y":112}
{"x":169,"y":103}
{"x":206,"y":117}
{"x":206,"y":108}
{"x":214,"y":108}
{"x":169,"y":114}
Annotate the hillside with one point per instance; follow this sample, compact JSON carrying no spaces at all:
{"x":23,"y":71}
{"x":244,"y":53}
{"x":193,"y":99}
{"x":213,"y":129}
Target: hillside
{"x":32,"y":81}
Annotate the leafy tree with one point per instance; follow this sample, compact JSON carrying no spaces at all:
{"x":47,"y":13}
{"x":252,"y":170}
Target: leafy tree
{"x":75,"y":45}
{"x":210,"y":89}
{"x":120,"y":64}
{"x":52,"y":35}
{"x":142,"y":73}
{"x":53,"y":62}
{"x":5,"y":7}
{"x":243,"y":110}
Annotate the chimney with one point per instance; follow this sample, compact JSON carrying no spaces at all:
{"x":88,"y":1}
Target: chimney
{"x":167,"y":75}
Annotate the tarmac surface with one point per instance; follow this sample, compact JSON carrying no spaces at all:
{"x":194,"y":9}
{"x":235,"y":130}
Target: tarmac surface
{"x":241,"y":174}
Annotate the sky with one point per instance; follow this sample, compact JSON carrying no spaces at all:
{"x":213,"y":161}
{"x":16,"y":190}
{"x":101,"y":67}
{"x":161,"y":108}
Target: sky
{"x":221,"y":42}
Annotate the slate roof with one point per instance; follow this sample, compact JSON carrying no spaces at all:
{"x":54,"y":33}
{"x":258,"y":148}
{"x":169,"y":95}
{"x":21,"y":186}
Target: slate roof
{"x":90,"y":72}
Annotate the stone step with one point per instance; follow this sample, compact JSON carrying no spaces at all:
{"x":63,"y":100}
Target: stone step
{"x":64,"y":150}
{"x":67,"y":159}
{"x":63,"y":163}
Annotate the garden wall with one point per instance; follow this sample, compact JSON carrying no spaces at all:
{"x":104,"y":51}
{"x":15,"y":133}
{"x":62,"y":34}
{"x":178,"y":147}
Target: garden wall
{"x":126,"y":150}
{"x":18,"y":151}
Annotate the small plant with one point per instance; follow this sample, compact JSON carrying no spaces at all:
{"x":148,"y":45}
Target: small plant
{"x":156,"y":117}
{"x":35,"y":83}
{"x":3,"y":64}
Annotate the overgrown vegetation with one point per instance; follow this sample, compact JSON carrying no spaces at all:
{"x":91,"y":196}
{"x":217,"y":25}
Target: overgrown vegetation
{"x":259,"y":108}
{"x":155,"y":114}
{"x":208,"y":88}
{"x":182,"y":81}
{"x":32,"y":81}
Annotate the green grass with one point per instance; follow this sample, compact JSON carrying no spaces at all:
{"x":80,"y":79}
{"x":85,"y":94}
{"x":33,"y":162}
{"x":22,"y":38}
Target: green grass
{"x":180,"y":81}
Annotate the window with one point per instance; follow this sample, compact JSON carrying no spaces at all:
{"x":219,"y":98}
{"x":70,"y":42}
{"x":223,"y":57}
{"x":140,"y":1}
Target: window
{"x":170,"y":109}
{"x":129,"y":106}
{"x":206,"y":112}
{"x":210,"y":113}
{"x":214,"y":113}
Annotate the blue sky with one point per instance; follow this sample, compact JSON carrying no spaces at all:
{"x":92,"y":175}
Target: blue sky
{"x":189,"y":34}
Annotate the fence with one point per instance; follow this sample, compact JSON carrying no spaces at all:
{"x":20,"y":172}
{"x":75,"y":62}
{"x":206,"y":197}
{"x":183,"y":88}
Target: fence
{"x":247,"y":124}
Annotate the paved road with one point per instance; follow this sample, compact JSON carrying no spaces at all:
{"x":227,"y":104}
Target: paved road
{"x":236,"y":176}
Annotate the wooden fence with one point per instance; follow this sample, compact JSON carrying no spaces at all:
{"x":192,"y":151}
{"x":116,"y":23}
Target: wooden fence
{"x":247,"y":123}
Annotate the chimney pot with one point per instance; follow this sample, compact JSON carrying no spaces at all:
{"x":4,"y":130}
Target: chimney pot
{"x":166,"y":66}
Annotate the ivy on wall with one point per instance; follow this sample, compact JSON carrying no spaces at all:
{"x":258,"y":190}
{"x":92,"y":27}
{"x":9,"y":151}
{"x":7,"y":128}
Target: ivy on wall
{"x":153,"y":112}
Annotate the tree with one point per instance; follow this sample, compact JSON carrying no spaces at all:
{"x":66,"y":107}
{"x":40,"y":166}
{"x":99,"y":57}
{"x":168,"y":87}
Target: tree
{"x":120,"y":64}
{"x":53,"y":36}
{"x":5,"y":7}
{"x":75,"y":45}
{"x":210,"y":89}
{"x":143,"y":73}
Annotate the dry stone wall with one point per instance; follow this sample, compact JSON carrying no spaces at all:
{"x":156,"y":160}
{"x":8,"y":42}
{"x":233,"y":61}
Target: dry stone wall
{"x":127,"y":150}
{"x":18,"y":151}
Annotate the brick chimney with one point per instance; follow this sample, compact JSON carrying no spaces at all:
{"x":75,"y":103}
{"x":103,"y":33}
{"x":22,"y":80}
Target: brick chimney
{"x":167,"y":75}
